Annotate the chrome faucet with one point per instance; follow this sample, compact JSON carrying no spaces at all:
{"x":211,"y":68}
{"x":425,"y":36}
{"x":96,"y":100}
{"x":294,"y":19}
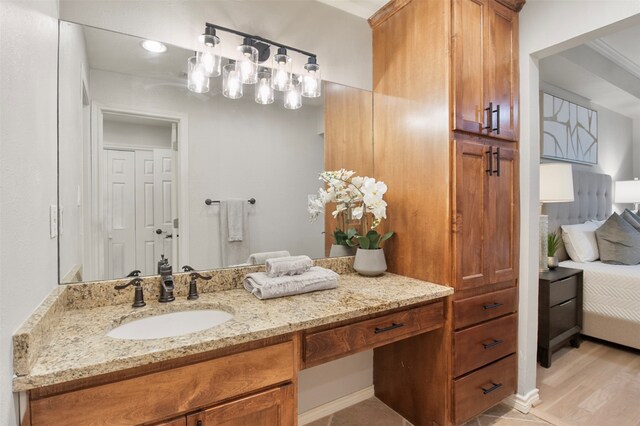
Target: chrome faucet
{"x":166,"y":276}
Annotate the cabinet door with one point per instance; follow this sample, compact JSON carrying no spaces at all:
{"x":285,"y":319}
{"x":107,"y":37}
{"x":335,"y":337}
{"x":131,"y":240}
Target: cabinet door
{"x":501,"y":71}
{"x":504,"y":216}
{"x":180,"y":421}
{"x":469,"y":44}
{"x":275,"y":407}
{"x":471,"y":242}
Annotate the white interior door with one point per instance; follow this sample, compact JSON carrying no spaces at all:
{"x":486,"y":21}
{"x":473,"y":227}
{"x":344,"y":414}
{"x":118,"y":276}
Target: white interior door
{"x":146,"y":237}
{"x":120,"y":212}
{"x":163,"y":208}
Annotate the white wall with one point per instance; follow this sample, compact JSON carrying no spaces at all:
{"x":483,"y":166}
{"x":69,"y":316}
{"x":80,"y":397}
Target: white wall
{"x":636,"y":147}
{"x":237,"y":149}
{"x":28,"y":105}
{"x":73,"y":70}
{"x":546,"y":27}
{"x":615,"y":140}
{"x":341,"y":41}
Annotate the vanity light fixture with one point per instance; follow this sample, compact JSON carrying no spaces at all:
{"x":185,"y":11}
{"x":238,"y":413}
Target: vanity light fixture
{"x":254,"y":51}
{"x":264,"y":89}
{"x":210,"y":55}
{"x":197,"y":80}
{"x":281,"y":71}
{"x":153,"y":46}
{"x":311,"y":81}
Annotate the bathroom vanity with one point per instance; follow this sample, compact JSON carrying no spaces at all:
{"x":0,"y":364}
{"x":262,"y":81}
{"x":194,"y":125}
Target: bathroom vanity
{"x":241,"y":372}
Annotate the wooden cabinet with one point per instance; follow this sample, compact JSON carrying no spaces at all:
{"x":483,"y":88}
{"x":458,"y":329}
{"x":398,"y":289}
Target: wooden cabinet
{"x":559,"y":311}
{"x":446,"y":144}
{"x":485,"y":68}
{"x":486,"y":213}
{"x":274,"y":407}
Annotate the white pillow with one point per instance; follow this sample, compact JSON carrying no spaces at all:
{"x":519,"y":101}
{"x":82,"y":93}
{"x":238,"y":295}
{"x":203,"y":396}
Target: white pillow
{"x":580,"y":241}
{"x":598,"y":223}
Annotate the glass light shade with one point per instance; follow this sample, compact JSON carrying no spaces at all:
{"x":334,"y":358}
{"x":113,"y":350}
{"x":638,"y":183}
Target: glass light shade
{"x":248,"y":63}
{"x":556,"y":183}
{"x":231,"y":81}
{"x":197,"y":80}
{"x":281,"y":72}
{"x":311,"y":81}
{"x":264,"y":91}
{"x":293,"y":96}
{"x":211,"y":60}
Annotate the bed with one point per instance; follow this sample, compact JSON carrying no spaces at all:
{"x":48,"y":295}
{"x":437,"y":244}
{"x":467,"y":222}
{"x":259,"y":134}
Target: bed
{"x":611,"y":305}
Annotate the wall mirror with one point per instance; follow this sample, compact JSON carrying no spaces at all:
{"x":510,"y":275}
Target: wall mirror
{"x":139,"y":155}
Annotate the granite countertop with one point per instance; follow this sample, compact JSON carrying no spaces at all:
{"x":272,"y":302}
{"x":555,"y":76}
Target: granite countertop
{"x":77,"y":346}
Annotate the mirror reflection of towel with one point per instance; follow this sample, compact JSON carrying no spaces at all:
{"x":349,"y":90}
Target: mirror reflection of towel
{"x":234,"y":251}
{"x":235,"y":216}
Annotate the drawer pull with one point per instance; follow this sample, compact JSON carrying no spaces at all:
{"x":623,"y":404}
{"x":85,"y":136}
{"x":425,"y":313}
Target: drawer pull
{"x":492,"y":305}
{"x":495,"y":342}
{"x":493,"y":387}
{"x":393,"y":326}
{"x":565,"y":303}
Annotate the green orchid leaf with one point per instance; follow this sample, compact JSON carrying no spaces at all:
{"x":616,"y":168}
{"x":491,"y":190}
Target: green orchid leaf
{"x":364,"y":242}
{"x":387,"y":236}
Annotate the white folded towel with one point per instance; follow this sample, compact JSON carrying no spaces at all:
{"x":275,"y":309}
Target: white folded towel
{"x":264,"y":287}
{"x":235,"y":218}
{"x":261,"y":258}
{"x":290,"y":265}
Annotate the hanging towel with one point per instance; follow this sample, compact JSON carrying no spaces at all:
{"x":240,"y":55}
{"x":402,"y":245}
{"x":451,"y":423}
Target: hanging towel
{"x":233,"y":252}
{"x":261,"y":258}
{"x":263,"y":287}
{"x":235,"y":214}
{"x":291,"y":265}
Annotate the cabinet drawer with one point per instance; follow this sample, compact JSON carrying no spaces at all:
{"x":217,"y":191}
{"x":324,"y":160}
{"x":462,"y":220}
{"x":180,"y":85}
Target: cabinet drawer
{"x":562,"y":317}
{"x":563,"y":290}
{"x":484,"y":388}
{"x":484,"y":307}
{"x":482,"y":344}
{"x":167,"y":393}
{"x":331,"y":344}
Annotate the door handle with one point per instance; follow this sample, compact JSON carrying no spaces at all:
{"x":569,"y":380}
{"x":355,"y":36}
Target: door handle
{"x":495,"y":342}
{"x":497,"y":111}
{"x":393,"y":326}
{"x":489,"y":154}
{"x":489,"y":111}
{"x":158,"y":231}
{"x":492,"y":305}
{"x":497,"y":154}
{"x":168,"y":236}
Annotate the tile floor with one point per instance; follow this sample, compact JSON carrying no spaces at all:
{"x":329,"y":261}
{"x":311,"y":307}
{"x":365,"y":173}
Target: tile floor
{"x":373,"y":412}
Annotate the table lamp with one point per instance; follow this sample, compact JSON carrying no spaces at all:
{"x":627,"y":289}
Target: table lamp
{"x":628,"y":191}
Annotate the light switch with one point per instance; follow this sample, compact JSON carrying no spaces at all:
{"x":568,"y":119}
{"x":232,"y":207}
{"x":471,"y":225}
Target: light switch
{"x":53,"y":220}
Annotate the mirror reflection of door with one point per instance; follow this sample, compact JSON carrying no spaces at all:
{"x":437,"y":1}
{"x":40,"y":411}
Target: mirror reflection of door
{"x":139,"y":204}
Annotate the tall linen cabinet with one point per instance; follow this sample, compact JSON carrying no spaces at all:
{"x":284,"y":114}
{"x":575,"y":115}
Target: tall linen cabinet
{"x":445,"y":75}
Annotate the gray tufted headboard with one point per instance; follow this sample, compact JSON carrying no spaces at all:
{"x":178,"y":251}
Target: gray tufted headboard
{"x":593,"y":197}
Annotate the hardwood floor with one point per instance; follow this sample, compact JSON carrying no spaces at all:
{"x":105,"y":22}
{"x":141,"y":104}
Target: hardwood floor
{"x":597,"y":384}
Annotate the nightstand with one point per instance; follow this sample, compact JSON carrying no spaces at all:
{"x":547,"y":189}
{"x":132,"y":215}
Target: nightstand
{"x":559,"y":311}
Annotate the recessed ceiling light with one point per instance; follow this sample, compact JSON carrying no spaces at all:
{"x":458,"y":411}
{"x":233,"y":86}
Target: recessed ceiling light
{"x":154,"y":46}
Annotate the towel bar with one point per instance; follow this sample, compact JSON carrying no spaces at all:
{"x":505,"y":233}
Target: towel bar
{"x":209,"y":201}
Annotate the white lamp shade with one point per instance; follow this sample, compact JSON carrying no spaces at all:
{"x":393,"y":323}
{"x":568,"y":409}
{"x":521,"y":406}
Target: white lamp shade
{"x":556,"y":183}
{"x":627,"y":191}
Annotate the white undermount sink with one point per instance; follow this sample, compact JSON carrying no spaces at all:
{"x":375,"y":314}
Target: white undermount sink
{"x":170,"y":325}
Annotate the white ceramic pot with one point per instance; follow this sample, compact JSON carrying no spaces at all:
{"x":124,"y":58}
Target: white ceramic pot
{"x":338,"y":250}
{"x":370,"y":262}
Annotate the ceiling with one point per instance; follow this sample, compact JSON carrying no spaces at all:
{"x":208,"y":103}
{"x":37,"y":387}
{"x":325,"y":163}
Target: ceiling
{"x":362,"y":8}
{"x":606,"y":71}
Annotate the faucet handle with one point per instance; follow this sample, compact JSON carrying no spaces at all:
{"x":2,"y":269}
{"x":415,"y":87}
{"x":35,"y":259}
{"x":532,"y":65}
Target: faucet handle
{"x":195,"y":275}
{"x":187,"y":268}
{"x":136,"y":281}
{"x":134,"y":273}
{"x":138,"y":300}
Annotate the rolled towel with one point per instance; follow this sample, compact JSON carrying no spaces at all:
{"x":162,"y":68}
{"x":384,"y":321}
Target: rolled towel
{"x":260,"y":258}
{"x":264,"y":287}
{"x":291,"y":265}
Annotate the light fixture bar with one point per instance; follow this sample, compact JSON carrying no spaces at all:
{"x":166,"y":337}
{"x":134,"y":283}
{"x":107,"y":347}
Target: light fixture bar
{"x":258,"y":38}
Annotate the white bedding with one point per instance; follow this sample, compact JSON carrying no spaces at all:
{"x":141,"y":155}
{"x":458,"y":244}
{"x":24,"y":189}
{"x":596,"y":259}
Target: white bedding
{"x":610,"y":290}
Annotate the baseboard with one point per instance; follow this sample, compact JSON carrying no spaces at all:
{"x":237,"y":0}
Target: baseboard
{"x":335,"y":406}
{"x":523,"y":403}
